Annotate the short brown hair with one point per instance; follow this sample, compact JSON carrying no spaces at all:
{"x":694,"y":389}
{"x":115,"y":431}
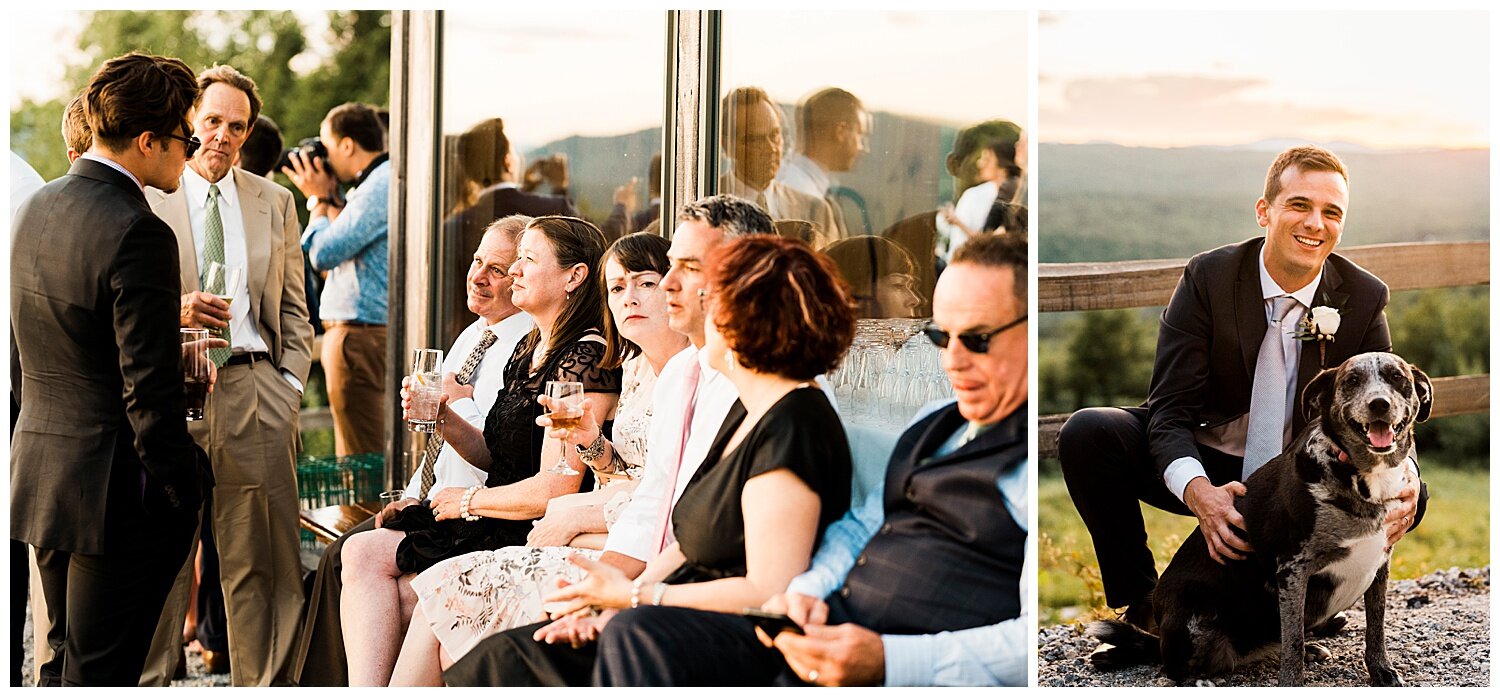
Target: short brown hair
{"x":229,"y":76}
{"x":824,"y":110}
{"x":75,"y":127}
{"x":360,"y":122}
{"x":864,"y":260}
{"x":138,"y":93}
{"x":1307,"y":158}
{"x":739,"y":99}
{"x":781,"y":306}
{"x":997,"y":252}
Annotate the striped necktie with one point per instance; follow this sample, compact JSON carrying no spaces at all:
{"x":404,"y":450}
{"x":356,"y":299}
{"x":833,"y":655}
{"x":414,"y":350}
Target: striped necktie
{"x":435,"y":440}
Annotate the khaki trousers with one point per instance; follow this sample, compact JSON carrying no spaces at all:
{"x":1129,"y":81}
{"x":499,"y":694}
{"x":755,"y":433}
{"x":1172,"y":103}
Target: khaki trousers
{"x":354,"y":363}
{"x":250,"y":434}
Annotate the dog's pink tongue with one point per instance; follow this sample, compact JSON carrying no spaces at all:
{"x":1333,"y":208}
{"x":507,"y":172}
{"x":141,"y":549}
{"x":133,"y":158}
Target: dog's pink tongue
{"x":1381,"y":435}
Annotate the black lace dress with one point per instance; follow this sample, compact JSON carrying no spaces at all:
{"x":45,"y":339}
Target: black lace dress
{"x":515,"y":443}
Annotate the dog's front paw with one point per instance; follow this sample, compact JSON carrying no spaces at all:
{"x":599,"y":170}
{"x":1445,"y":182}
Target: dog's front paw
{"x":1313,"y":652}
{"x":1385,"y":676}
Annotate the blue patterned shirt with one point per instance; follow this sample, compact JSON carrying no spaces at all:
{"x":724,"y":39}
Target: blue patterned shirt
{"x":355,"y":250}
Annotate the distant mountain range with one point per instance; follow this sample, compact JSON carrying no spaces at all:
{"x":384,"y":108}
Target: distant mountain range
{"x":1105,"y":202}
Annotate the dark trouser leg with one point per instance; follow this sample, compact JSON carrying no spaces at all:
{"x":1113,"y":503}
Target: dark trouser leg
{"x":318,"y":658}
{"x":675,"y":647}
{"x":1108,"y":468}
{"x":513,"y":659}
{"x":113,"y":604}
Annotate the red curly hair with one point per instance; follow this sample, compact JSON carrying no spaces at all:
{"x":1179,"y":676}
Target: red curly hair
{"x":781,"y":306}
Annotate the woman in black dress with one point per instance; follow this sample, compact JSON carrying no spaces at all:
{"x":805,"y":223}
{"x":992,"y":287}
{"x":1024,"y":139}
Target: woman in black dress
{"x":776,"y":475}
{"x":554,"y":279}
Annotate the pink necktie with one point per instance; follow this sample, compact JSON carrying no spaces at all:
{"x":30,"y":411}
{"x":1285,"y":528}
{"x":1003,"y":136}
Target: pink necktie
{"x":664,"y":521}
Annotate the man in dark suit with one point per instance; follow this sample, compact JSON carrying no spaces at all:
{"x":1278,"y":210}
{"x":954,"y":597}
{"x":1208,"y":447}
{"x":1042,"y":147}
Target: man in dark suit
{"x":483,"y":148}
{"x":106,"y":484}
{"x":1232,"y":322}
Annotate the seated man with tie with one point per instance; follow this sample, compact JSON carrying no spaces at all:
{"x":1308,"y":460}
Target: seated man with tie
{"x":1229,"y":366}
{"x":477,"y":361}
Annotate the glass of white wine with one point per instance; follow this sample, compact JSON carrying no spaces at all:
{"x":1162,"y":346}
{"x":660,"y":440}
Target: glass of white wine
{"x":223,"y":281}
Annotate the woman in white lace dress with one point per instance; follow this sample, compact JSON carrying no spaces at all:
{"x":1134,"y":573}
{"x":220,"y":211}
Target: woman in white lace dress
{"x":467,"y":598}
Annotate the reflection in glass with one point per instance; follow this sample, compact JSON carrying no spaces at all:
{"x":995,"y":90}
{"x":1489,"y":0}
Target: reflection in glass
{"x":546,"y":113}
{"x":867,"y":153}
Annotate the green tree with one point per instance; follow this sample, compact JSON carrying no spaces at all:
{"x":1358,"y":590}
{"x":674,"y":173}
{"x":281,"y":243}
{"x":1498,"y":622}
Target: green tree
{"x":260,"y":43}
{"x":1109,"y":359}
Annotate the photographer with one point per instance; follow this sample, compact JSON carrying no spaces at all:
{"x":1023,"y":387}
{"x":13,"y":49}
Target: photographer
{"x":350,"y":241}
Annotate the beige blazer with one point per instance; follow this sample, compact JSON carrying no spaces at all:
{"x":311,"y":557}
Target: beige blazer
{"x":273,"y":275}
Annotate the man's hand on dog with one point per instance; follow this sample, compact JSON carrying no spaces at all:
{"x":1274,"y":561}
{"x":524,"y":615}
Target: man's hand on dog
{"x":1399,"y":518}
{"x":1214,"y":507}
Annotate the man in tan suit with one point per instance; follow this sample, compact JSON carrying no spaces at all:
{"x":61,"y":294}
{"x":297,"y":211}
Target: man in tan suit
{"x":750,"y":127}
{"x":224,"y":214}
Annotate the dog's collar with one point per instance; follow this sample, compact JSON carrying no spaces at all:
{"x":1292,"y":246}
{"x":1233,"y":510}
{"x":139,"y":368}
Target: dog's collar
{"x":1338,"y":452}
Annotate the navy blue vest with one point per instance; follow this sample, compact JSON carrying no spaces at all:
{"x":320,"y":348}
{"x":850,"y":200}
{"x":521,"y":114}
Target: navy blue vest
{"x":949,"y":555}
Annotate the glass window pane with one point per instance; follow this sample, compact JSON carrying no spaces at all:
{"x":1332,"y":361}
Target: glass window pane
{"x":884,"y":139}
{"x":547,"y":113}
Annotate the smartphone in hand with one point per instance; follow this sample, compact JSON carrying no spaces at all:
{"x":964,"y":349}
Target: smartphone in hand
{"x":770,"y":622}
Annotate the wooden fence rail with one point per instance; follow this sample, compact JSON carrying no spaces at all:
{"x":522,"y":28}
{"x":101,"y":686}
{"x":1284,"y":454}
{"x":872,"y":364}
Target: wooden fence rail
{"x":1149,"y":283}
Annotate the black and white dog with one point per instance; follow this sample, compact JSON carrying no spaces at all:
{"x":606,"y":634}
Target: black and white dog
{"x":1315,"y":515}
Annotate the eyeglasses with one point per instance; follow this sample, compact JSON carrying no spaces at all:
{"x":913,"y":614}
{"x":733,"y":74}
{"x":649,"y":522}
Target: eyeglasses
{"x":191,"y":143}
{"x":975,"y":342}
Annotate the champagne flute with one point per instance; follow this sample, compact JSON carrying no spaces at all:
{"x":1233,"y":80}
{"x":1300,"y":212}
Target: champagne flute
{"x":426,"y":389}
{"x":566,"y":399}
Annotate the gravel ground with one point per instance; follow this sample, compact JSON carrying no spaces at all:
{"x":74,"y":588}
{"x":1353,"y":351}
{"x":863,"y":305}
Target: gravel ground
{"x":1437,"y":633}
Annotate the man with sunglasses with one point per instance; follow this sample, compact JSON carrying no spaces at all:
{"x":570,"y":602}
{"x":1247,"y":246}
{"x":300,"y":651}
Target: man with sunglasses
{"x":106,"y":482}
{"x":924,"y":582}
{"x":1229,"y":366}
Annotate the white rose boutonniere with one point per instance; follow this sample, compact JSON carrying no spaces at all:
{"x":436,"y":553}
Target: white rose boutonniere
{"x":1320,"y":324}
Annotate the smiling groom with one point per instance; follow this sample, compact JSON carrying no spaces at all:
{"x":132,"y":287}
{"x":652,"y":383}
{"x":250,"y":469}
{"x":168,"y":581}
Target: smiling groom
{"x":1236,"y":346}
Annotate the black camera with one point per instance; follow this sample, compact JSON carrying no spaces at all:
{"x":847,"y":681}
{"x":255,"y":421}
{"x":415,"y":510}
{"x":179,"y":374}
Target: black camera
{"x":310,"y":148}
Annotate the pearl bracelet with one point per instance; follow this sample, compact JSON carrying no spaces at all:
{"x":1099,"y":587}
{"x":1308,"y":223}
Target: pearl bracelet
{"x":635,"y":594}
{"x":463,"y":504}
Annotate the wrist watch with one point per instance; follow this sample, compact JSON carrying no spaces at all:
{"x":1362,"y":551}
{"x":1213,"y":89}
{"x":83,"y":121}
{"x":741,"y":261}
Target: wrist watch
{"x":312,"y":202}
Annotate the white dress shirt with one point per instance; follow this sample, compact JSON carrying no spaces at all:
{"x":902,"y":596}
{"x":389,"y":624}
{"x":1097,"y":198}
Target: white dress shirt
{"x":633,"y":533}
{"x":244,"y":335}
{"x":803,"y":174}
{"x":972,"y":209}
{"x":1230,"y":437}
{"x":489,"y":378}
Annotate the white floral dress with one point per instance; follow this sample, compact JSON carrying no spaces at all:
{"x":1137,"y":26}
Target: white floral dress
{"x":470,"y":597}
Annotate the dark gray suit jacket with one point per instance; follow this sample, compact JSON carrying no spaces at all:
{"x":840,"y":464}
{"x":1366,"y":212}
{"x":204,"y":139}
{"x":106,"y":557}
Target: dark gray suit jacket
{"x":101,"y":442}
{"x":1211,"y":332}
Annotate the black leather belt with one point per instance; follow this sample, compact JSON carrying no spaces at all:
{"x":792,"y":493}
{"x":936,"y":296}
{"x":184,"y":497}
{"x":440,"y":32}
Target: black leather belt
{"x":246,"y":358}
{"x":329,"y":324}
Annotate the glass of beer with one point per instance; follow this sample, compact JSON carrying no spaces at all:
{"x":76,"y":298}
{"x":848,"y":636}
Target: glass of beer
{"x":426,"y":389}
{"x":195,"y":371}
{"x":567,"y":410}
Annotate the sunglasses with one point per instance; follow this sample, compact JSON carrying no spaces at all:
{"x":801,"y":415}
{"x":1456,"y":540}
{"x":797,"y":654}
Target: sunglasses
{"x":975,"y":342}
{"x":191,"y":143}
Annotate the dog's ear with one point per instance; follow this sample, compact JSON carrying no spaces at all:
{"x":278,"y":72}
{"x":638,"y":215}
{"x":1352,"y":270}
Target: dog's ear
{"x":1424,"y":392}
{"x":1319,"y":391}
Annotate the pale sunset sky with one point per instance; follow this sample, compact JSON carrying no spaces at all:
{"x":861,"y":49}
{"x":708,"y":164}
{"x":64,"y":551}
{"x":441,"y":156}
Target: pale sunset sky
{"x":1386,"y":80}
